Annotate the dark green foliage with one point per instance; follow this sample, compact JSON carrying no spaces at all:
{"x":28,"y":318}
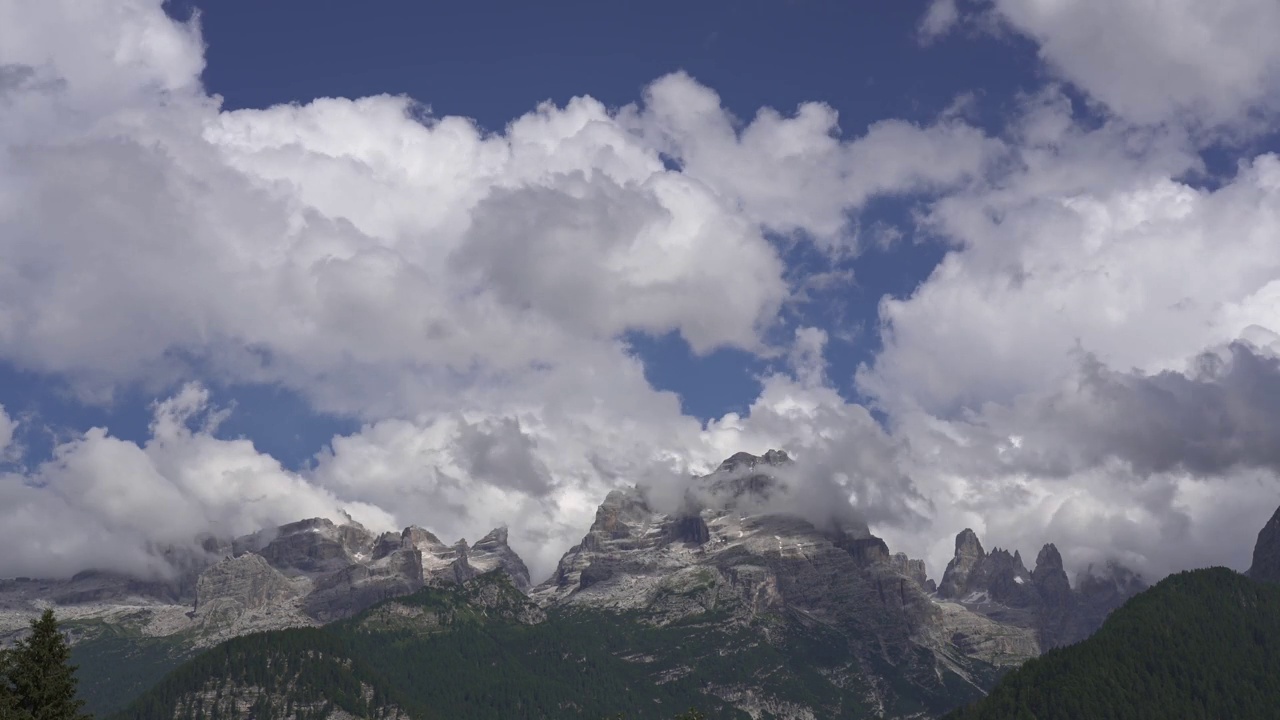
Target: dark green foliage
{"x":116,"y":666}
{"x":1200,"y":644}
{"x":465,"y":653}
{"x":304,"y":672}
{"x":690,"y":714}
{"x":40,"y":677}
{"x":9,"y":709}
{"x":444,"y":654}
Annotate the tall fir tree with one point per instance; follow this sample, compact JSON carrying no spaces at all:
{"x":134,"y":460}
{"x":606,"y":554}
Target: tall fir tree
{"x":42,"y":676}
{"x":8,"y":699}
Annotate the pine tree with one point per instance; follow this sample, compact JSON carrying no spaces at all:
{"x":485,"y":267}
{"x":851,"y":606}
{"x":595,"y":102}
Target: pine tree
{"x":43,"y":678}
{"x":8,"y":699}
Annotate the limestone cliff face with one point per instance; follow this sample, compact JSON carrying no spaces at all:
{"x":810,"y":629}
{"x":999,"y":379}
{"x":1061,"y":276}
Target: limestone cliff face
{"x":725,"y":557}
{"x":968,"y":555}
{"x":317,"y":545}
{"x":392,"y":565}
{"x":779,"y":573}
{"x":1266,"y":552}
{"x":244,"y":594}
{"x":247,"y":582}
{"x":998,"y":586}
{"x":308,"y":572}
{"x":492,"y":552}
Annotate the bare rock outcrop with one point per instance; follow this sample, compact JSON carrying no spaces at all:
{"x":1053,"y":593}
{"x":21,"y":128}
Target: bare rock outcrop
{"x":998,"y":586}
{"x":1266,"y":552}
{"x":247,"y":582}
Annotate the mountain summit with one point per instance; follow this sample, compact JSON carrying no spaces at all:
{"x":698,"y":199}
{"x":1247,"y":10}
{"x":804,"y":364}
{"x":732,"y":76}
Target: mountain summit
{"x":776,"y":614}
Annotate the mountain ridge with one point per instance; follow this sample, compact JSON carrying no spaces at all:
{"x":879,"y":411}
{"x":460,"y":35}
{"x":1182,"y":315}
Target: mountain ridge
{"x":722,"y":551}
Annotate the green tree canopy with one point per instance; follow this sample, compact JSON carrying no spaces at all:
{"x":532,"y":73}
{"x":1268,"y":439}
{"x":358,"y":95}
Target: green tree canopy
{"x":9,"y":709}
{"x":40,"y":677}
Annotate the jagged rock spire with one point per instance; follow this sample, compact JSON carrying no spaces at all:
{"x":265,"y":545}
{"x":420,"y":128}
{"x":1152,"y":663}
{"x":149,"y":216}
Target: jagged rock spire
{"x":1266,"y":552}
{"x":968,"y":554}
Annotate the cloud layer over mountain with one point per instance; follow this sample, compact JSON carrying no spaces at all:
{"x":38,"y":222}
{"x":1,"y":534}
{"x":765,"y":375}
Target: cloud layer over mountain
{"x":465,"y":294}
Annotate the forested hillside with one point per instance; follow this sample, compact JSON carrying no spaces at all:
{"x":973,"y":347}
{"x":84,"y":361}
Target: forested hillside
{"x":1200,"y":644}
{"x":454,"y":653}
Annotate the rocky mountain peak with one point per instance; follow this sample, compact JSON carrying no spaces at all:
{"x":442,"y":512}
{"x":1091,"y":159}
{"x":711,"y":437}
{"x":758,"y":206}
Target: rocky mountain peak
{"x":314,"y":545}
{"x":747,"y":461}
{"x":1049,"y":559}
{"x":492,"y":552}
{"x":968,"y":555}
{"x":998,"y":585}
{"x":415,"y":535}
{"x":1266,"y":552}
{"x":968,"y":545}
{"x":1050,"y":579}
{"x":743,"y":481}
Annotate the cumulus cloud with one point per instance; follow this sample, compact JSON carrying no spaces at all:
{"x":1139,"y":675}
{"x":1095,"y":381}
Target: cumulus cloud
{"x":938,"y":20}
{"x":846,"y":466}
{"x":795,"y":174}
{"x":1221,"y":414}
{"x":1050,"y":376}
{"x":1184,"y":60}
{"x":1051,"y":264}
{"x":106,"y":503}
{"x":463,"y":293}
{"x":7,"y":428}
{"x":376,"y":257}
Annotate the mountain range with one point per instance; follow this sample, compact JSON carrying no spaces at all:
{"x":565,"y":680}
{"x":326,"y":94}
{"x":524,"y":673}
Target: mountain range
{"x":717,"y":599}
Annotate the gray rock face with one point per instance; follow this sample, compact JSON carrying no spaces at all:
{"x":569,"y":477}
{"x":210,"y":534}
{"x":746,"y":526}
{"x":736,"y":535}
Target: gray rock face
{"x":304,"y":573}
{"x":998,"y":586}
{"x":390,"y":565}
{"x":1266,"y":552}
{"x":968,"y":555}
{"x":247,"y":582}
{"x":317,"y":545}
{"x":913,"y":569}
{"x":491,"y":553}
{"x":778,"y":572}
{"x":244,"y":594}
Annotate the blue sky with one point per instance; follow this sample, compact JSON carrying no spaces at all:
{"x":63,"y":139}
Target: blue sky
{"x":966,"y":256}
{"x":494,"y":61}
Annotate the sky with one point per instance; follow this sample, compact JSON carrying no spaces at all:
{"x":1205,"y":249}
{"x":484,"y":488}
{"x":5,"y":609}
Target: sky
{"x":1011,"y":265}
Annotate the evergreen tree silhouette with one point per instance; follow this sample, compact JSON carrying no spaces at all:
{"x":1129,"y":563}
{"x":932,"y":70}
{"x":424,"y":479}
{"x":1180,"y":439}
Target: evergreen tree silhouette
{"x":41,"y":674}
{"x":9,"y":709}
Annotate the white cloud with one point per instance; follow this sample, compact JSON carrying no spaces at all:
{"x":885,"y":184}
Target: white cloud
{"x":795,"y":174}
{"x":106,"y":503}
{"x":938,"y":20}
{"x":1045,"y":376}
{"x":377,"y":258}
{"x":7,"y":428}
{"x":1150,"y":62}
{"x":1144,"y":276}
{"x":463,"y":293}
